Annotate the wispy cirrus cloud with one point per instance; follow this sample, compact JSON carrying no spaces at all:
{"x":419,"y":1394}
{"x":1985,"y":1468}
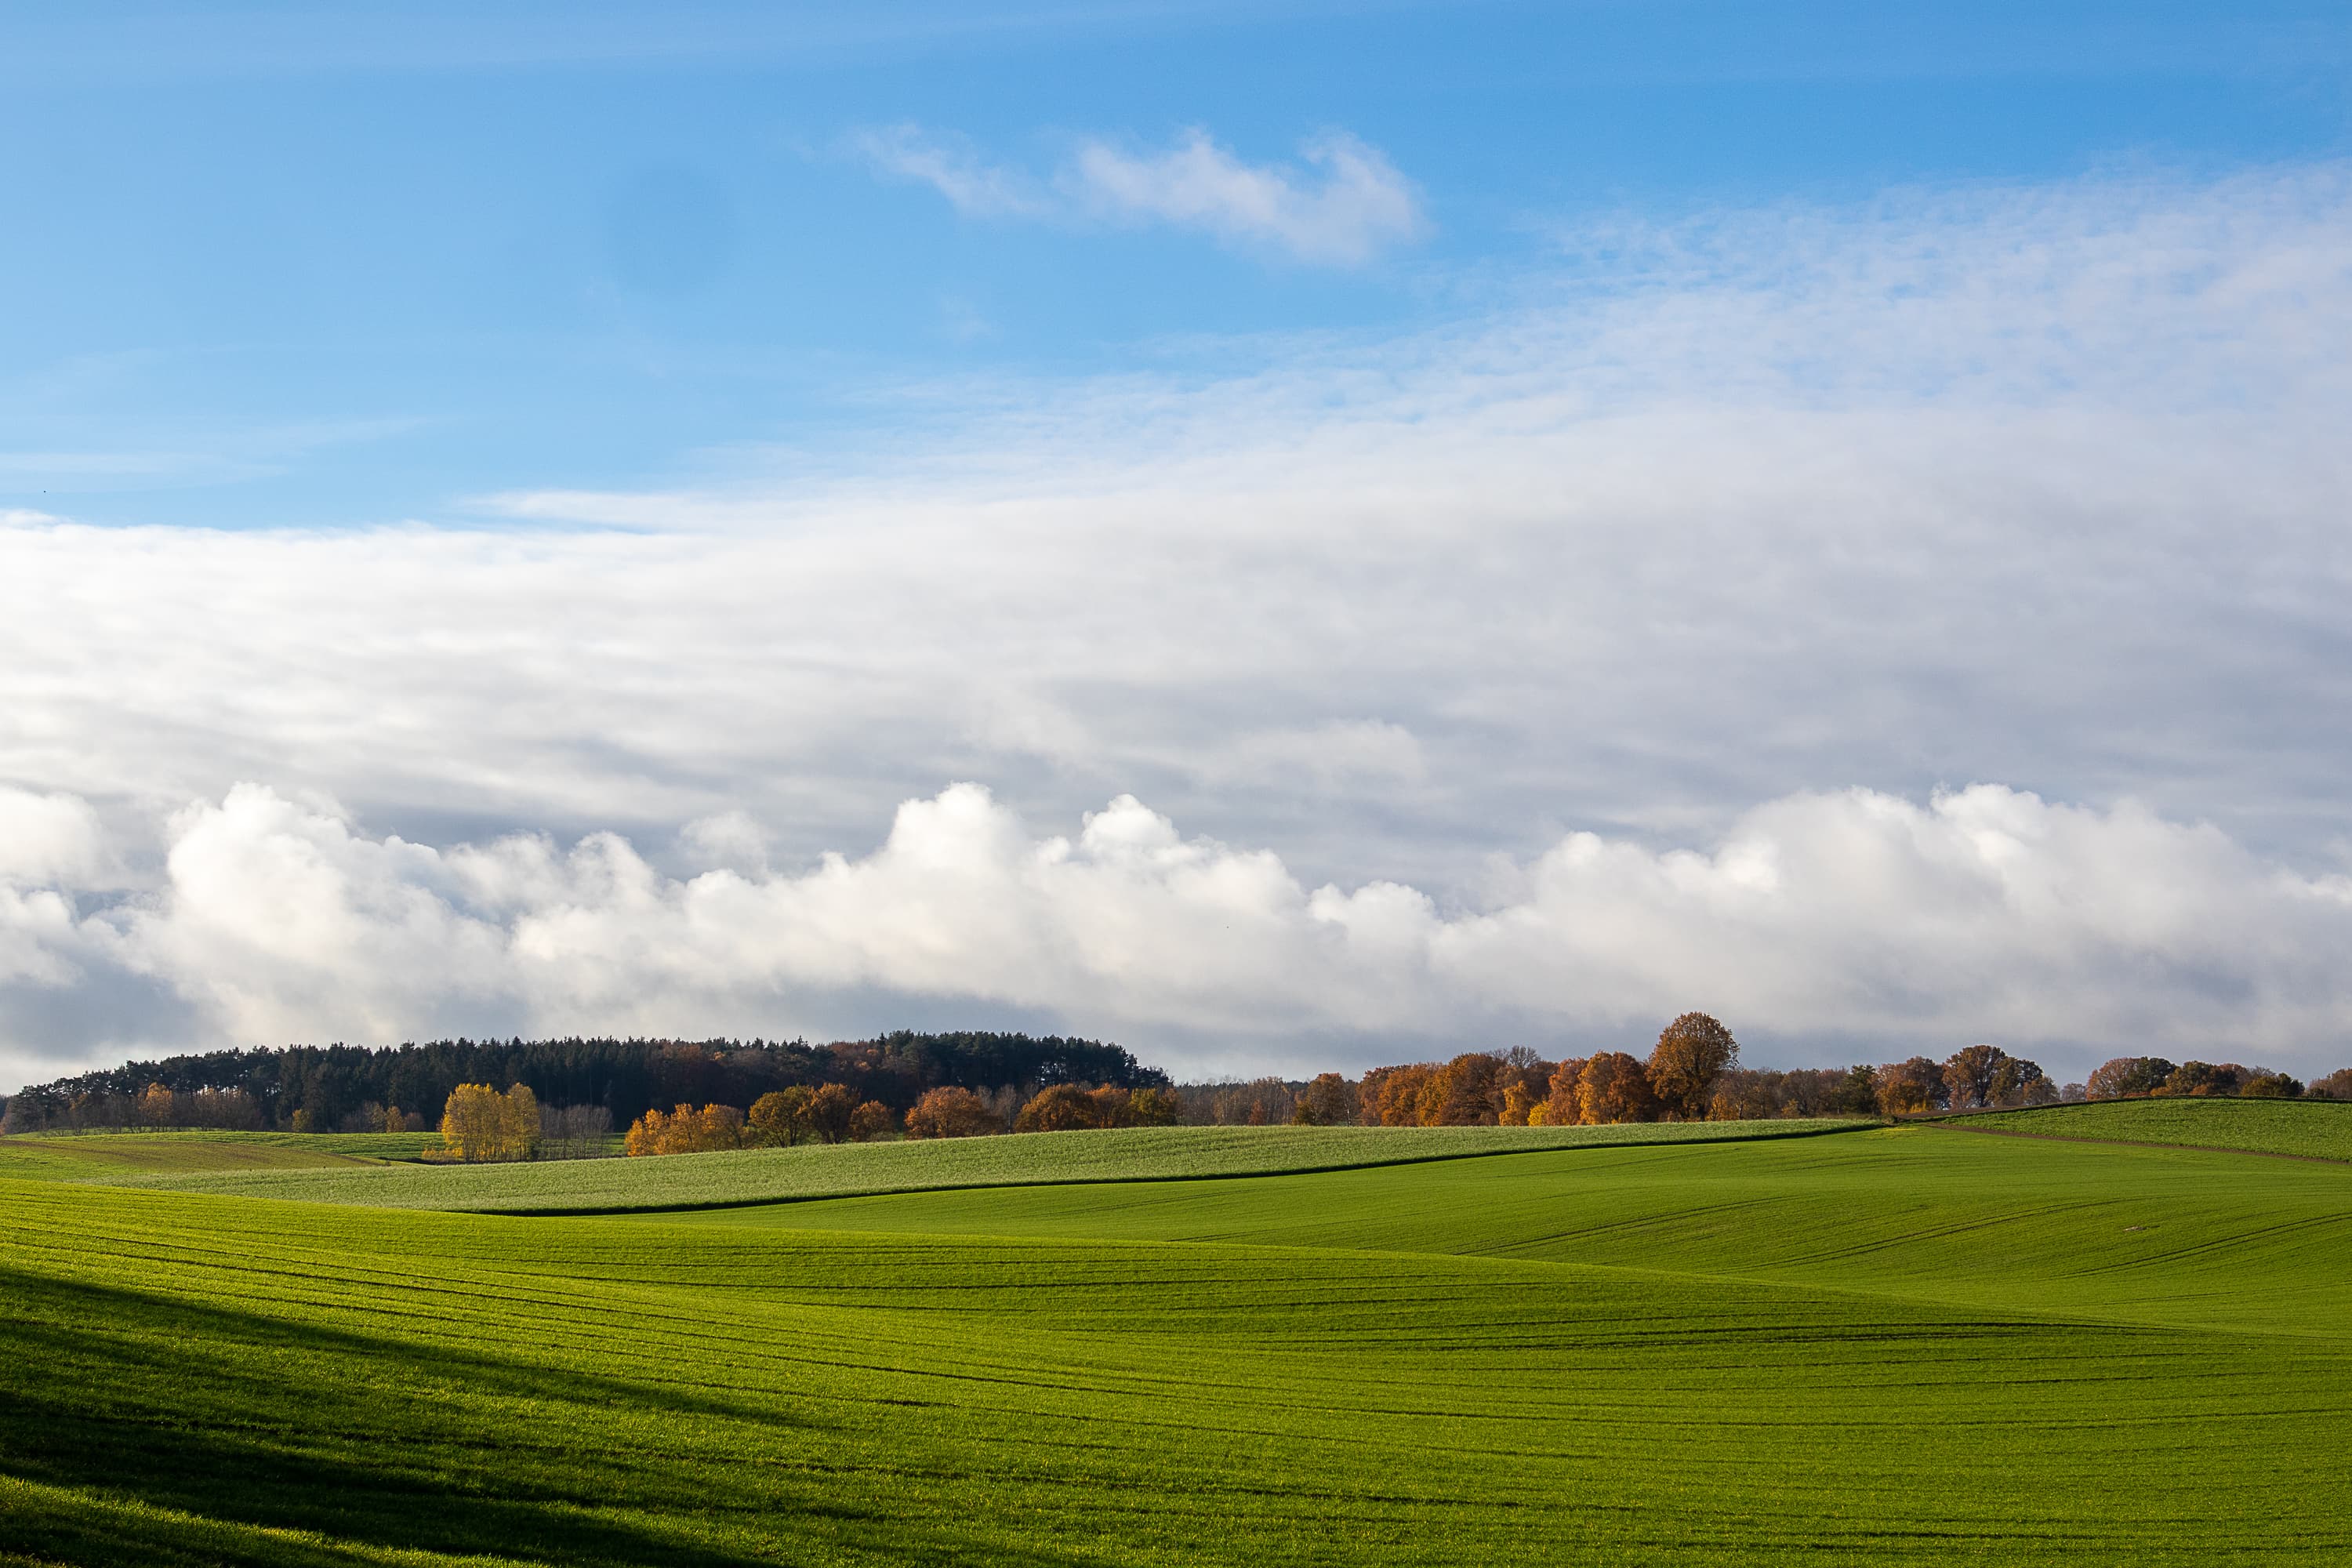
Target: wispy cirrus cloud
{"x":1342,"y":205}
{"x":955,"y":168}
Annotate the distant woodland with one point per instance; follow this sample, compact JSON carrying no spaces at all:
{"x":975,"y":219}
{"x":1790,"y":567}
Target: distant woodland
{"x":350,"y":1088}
{"x":567,"y":1097}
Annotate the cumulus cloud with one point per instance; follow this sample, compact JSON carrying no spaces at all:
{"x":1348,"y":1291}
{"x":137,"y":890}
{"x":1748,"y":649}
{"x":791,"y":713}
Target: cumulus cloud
{"x":1343,"y":207}
{"x":2040,"y":486}
{"x":1985,"y":912}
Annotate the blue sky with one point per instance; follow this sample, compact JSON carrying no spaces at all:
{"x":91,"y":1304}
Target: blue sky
{"x":1288,"y":537}
{"x":319,"y":267}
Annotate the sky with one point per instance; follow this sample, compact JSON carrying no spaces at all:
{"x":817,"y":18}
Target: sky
{"x":1290,"y":537}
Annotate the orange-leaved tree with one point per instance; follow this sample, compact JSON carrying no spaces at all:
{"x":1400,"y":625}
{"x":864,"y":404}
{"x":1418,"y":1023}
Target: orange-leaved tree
{"x":1062,"y":1107}
{"x":1908,"y":1087}
{"x":1563,"y":1104}
{"x":870,"y":1121}
{"x":951,"y":1113}
{"x":1614,"y":1089}
{"x":1390,"y":1097}
{"x":1462,"y":1093}
{"x":1691,"y":1054}
{"x":686,"y":1130}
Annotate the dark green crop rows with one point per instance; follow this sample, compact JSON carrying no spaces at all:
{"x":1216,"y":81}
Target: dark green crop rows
{"x":1896,"y":1346}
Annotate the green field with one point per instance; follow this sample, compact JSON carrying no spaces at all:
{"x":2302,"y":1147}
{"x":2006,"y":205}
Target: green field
{"x":810,"y":1171}
{"x":1895,"y":1345}
{"x":98,"y":1156}
{"x":2312,"y":1129}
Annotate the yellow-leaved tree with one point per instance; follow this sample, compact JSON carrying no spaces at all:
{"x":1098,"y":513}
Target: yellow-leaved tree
{"x":480,"y":1124}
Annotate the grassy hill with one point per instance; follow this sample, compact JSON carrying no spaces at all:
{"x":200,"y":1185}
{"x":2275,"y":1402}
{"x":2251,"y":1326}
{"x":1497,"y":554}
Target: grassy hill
{"x":782,"y":1175}
{"x":1897,"y":1346}
{"x":99,"y":1156}
{"x":2312,"y":1129}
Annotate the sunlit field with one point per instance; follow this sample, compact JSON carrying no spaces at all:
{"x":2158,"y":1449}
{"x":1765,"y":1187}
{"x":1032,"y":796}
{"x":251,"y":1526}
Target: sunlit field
{"x":1901,"y":1344}
{"x":152,"y":1152}
{"x":776,"y":1175}
{"x":2313,"y":1129}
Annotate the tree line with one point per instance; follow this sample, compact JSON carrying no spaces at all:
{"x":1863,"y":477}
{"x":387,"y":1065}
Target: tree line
{"x":342,"y":1087}
{"x":832,"y":1113}
{"x":728,"y":1095}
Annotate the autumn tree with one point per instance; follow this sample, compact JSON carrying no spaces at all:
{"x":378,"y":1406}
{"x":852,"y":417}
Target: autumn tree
{"x":471,"y":1127}
{"x":646,"y":1134}
{"x":2262,"y":1085}
{"x":686,"y":1130}
{"x":479,"y":1123}
{"x":1968,"y":1076}
{"x":1462,"y":1093}
{"x":157,"y":1107}
{"x":2336,"y":1085}
{"x":870,"y":1121}
{"x":1062,"y":1107}
{"x":780,"y":1117}
{"x":1691,"y":1052}
{"x":948,"y":1112}
{"x":1327,"y":1101}
{"x":2016,"y":1081}
{"x":1152,"y":1106}
{"x":1390,"y":1097}
{"x":518,"y":1123}
{"x":1908,"y":1087}
{"x":2201,"y":1079}
{"x":1113,"y":1106}
{"x":2120,"y":1078}
{"x":1563,"y":1104}
{"x":1742,"y":1096}
{"x":1612,"y":1088}
{"x":830,"y":1110}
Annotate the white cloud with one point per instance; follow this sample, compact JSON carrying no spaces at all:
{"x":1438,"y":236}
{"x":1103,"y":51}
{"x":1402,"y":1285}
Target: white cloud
{"x":952,"y":167}
{"x":1347,"y":205}
{"x":2041,"y":486}
{"x":1354,"y":205}
{"x":1982,"y":914}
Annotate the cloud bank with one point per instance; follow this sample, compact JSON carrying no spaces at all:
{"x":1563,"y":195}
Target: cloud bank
{"x":2044,"y":487}
{"x":1343,"y":208}
{"x":1980,"y":913}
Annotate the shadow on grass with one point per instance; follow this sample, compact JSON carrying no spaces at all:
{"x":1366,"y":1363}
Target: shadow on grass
{"x":156,"y":1430}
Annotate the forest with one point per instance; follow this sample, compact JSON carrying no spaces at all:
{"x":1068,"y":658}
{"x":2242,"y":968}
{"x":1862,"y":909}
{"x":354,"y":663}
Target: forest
{"x":341,"y":1088}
